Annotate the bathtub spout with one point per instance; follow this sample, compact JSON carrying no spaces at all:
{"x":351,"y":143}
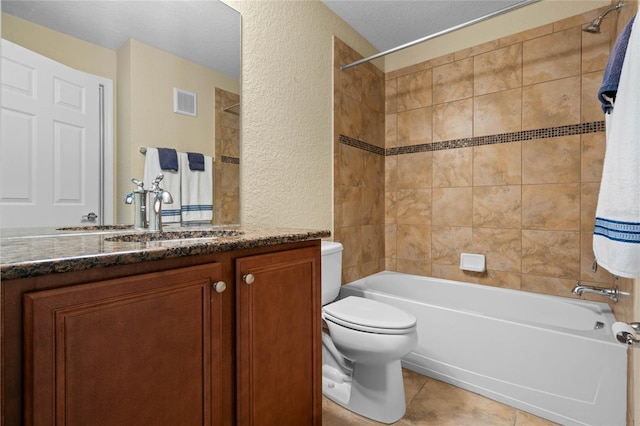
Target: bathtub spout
{"x":611,"y":293}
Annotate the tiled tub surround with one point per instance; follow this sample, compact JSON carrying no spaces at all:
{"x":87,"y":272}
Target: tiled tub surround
{"x":495,"y":149}
{"x":41,"y":251}
{"x":227,"y":172}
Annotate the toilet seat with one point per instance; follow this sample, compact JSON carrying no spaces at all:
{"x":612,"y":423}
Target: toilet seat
{"x":369,"y":316}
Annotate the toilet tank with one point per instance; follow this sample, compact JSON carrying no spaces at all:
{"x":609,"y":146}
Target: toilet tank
{"x":331,"y":270}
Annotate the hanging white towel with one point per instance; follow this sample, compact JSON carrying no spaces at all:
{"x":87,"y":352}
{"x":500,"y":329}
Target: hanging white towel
{"x":197,"y":190}
{"x":616,"y":239}
{"x":170,"y":182}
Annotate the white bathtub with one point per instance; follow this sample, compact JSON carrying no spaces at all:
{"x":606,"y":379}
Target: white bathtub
{"x":539,"y":353}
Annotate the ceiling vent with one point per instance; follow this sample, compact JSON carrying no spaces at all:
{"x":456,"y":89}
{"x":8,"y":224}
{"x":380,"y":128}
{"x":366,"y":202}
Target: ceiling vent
{"x":184,"y":102}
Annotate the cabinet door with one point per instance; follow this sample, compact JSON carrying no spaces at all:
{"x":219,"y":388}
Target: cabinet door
{"x":279,"y":347}
{"x":129,"y":351}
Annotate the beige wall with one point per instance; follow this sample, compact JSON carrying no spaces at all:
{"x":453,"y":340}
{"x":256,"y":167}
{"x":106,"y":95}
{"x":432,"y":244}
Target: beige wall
{"x":286,"y":117}
{"x":60,"y":47}
{"x":147,"y":77}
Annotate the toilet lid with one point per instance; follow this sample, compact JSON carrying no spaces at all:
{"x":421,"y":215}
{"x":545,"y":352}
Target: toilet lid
{"x":369,"y":315}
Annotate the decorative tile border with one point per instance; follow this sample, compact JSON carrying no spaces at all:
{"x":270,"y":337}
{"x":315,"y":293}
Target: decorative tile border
{"x":524,"y":135}
{"x":362,"y":145}
{"x":230,"y":160}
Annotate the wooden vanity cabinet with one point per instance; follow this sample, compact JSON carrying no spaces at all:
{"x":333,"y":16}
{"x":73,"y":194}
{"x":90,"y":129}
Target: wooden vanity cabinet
{"x":135,"y":350}
{"x":279,"y":346}
{"x":156,"y":344}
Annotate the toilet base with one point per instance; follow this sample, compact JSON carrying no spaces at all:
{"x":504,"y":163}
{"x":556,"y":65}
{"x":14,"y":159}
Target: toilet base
{"x":375,"y":391}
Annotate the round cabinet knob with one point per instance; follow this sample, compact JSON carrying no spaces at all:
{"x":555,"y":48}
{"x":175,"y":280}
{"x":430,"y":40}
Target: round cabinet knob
{"x":249,"y":279}
{"x":220,"y":286}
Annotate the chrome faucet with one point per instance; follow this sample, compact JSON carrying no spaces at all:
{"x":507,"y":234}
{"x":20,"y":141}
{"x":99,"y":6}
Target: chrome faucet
{"x":611,"y":293}
{"x":160,"y":196}
{"x":139,"y":199}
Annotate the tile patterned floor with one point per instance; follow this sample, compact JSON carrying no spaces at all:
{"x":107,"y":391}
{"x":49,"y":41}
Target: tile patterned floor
{"x":431,"y":402}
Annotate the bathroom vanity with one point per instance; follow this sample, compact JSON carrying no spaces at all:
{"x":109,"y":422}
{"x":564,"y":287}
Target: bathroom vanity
{"x":110,"y":326}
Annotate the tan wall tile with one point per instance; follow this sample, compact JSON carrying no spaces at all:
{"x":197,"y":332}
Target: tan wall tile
{"x":588,"y":202}
{"x":373,"y":172}
{"x":351,"y":165}
{"x":414,"y":127}
{"x":351,"y":239}
{"x":453,"y":120}
{"x":499,"y":164}
{"x":351,"y":83}
{"x":391,"y":96}
{"x":497,"y":206}
{"x":592,"y":158}
{"x":373,"y":91}
{"x":414,"y":242}
{"x":499,"y":112}
{"x":390,"y":207}
{"x":414,"y":207}
{"x":452,"y":206}
{"x":349,"y":117}
{"x":372,"y":206}
{"x":548,"y":285}
{"x":373,"y":130}
{"x":391,"y":131}
{"x":453,"y":81}
{"x":551,"y":253}
{"x":449,"y":272}
{"x":495,"y":278}
{"x":453,"y":167}
{"x":498,"y":70}
{"x":390,"y":240}
{"x":596,"y":47}
{"x":414,"y":170}
{"x":501,"y":247}
{"x":391,"y":173}
{"x":448,"y":242}
{"x":553,"y":160}
{"x":372,"y":244}
{"x":409,"y":266}
{"x":554,"y":103}
{"x":351,"y":205}
{"x":551,"y":207}
{"x":414,"y":91}
{"x":591,"y":105}
{"x":551,"y":57}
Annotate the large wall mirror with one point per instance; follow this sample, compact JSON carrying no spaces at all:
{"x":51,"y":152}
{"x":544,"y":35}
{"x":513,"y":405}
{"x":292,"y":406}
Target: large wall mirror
{"x":147,"y":49}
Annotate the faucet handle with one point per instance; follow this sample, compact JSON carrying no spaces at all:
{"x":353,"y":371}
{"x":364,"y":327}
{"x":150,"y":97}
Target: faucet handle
{"x":157,"y":180}
{"x":139,"y":184}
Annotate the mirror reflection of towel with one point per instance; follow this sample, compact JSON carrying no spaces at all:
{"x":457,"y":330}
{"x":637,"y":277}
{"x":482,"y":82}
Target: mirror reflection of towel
{"x":196,"y":161}
{"x":168,"y":159}
{"x":196,"y":191}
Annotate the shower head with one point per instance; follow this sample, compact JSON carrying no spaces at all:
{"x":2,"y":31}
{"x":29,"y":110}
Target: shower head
{"x":594,"y":26}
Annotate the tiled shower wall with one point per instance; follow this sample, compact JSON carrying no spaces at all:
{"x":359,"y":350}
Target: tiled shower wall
{"x":227,"y":174}
{"x":496,"y":149}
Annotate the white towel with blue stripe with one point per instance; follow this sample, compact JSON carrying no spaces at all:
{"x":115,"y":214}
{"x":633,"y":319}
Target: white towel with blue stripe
{"x":616,"y":239}
{"x":197,"y":190}
{"x":170,"y":182}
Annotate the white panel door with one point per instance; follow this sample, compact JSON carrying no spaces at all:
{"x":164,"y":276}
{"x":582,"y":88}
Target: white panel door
{"x":52,"y":141}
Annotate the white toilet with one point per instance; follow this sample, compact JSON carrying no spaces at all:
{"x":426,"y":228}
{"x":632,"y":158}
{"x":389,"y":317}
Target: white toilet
{"x":362,"y":349}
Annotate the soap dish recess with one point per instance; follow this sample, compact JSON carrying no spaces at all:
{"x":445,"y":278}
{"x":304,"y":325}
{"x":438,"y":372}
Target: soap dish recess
{"x":472,"y":262}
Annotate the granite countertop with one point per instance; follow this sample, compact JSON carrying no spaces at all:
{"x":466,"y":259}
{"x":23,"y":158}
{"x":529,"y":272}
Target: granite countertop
{"x":29,"y":252}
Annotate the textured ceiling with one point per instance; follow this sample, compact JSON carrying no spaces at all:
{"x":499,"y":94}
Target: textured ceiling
{"x":208,"y":31}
